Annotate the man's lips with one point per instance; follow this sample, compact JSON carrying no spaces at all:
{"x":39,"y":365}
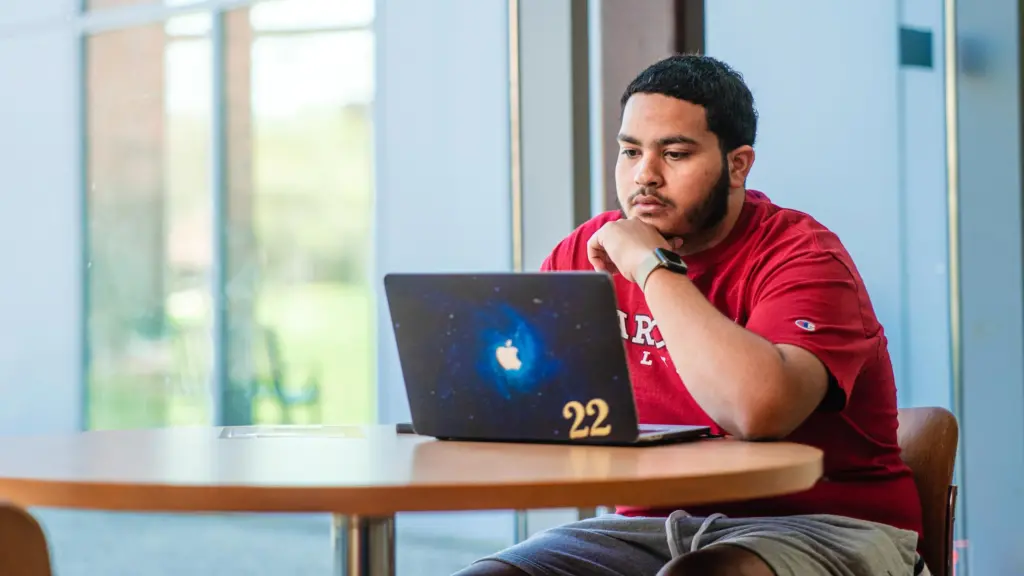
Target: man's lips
{"x":647,"y":201}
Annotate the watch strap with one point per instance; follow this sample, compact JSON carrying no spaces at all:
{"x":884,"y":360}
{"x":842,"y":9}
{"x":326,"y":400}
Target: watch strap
{"x":643,"y":270}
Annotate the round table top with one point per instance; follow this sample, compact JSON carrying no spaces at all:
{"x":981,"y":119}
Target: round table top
{"x":371,"y":470}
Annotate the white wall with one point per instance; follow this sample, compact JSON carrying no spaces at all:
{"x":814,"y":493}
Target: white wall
{"x":40,"y":219}
{"x":443,"y":200}
{"x":859,"y":142}
{"x":22,"y":17}
{"x":851,"y":137}
{"x":925,"y":240}
{"x":824,"y":78}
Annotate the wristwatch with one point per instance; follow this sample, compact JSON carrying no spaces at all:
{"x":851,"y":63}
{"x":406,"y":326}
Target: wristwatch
{"x":659,"y":258}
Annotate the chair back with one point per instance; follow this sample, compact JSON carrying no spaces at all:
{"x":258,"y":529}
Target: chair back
{"x":23,"y":549}
{"x":928,"y":440}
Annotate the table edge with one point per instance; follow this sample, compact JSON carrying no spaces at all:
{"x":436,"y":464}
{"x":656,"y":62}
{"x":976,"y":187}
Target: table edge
{"x":387,"y":500}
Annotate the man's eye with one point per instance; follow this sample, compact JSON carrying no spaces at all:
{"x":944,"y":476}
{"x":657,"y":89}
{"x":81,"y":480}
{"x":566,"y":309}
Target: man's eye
{"x":630,"y":153}
{"x":672,"y":155}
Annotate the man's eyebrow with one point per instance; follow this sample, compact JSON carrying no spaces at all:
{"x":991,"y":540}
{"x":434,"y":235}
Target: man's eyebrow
{"x":628,"y":139}
{"x":666,"y":141}
{"x":678,"y":139}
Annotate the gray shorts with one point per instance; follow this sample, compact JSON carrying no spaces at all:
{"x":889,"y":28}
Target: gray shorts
{"x":613,"y":545}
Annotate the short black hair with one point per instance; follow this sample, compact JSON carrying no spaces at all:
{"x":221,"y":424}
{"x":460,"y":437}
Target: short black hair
{"x":707,"y":82}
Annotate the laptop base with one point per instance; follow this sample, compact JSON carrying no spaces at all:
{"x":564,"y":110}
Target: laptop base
{"x":654,"y":436}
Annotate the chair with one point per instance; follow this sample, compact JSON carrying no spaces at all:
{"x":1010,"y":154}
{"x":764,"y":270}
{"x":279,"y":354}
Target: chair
{"x":928,"y":440}
{"x":23,"y":549}
{"x":278,"y":388}
{"x":308,"y":396}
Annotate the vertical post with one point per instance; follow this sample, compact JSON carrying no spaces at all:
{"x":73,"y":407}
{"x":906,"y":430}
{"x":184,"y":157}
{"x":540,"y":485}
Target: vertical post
{"x":953,"y":215}
{"x":81,"y":158}
{"x":363,"y":546}
{"x":515,"y":136}
{"x":515,"y":178}
{"x":223,"y":407}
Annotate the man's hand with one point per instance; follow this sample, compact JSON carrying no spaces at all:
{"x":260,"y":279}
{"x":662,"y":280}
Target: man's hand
{"x":619,"y":246}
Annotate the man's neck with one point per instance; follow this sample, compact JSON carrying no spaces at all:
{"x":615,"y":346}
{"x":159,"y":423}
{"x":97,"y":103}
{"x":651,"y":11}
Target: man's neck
{"x":715,"y":236}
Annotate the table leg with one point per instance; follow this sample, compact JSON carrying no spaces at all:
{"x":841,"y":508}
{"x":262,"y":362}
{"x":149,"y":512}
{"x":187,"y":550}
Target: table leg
{"x":363,"y":546}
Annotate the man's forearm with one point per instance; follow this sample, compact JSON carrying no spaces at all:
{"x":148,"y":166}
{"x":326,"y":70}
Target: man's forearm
{"x":735,"y":375}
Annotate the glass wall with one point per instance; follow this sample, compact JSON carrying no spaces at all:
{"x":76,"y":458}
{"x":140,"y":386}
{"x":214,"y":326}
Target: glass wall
{"x":300,"y":85}
{"x":231,"y":206}
{"x":149,"y":225}
{"x":274,"y":238}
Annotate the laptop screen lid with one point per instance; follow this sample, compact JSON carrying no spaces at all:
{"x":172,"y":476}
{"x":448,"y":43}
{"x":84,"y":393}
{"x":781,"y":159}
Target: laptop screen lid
{"x":532,"y":356}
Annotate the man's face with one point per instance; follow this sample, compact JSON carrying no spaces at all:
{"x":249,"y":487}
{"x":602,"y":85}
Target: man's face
{"x":670,"y":170}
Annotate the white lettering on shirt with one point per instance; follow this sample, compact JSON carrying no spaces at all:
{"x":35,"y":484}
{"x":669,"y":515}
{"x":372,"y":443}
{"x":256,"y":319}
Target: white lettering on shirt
{"x":644,"y":327}
{"x":622,"y":324}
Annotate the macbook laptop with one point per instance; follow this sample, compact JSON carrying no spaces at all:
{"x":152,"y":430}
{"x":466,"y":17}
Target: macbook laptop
{"x":534,"y":357}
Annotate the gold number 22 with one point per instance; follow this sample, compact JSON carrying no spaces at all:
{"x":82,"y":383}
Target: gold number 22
{"x":575,"y":411}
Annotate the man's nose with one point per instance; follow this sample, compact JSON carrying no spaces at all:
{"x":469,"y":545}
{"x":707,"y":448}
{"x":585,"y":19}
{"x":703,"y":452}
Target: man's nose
{"x":647,"y":174}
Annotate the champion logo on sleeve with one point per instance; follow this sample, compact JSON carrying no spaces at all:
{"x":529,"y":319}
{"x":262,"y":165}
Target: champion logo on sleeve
{"x":806,"y":325}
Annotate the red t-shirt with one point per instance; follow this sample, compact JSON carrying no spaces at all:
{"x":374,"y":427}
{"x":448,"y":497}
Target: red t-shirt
{"x":784,"y":276}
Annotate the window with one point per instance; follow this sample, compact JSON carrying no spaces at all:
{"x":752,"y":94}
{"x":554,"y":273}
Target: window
{"x":229,"y":239}
{"x":149,"y":226}
{"x":300,"y":305}
{"x":273,"y":230}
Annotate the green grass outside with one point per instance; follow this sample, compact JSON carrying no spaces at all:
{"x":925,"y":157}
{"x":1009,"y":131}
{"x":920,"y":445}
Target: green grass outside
{"x":330,"y":327}
{"x":324,"y":329}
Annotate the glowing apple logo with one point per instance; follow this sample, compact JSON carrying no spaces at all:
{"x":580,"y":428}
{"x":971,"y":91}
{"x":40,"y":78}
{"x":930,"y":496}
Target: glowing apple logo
{"x":508,"y":356}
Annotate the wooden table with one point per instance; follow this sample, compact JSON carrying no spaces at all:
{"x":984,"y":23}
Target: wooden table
{"x":365,"y":475}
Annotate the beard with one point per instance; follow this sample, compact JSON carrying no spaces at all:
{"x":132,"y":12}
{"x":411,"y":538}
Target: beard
{"x":708,"y":213}
{"x":712,"y":210}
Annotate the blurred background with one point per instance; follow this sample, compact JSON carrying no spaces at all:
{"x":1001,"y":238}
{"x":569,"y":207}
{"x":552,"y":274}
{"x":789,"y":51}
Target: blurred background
{"x":200,"y":198}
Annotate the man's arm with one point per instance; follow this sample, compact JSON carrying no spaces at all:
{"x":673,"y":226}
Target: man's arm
{"x":805,"y":340}
{"x":752,"y":388}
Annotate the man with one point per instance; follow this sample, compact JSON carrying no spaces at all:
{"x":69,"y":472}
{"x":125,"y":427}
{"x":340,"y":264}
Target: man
{"x":768,"y":333}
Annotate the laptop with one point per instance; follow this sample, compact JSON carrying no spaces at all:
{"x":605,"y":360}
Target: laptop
{"x":529,"y":357}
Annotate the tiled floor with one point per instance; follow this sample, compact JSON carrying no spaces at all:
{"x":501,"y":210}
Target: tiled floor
{"x":96,"y":543}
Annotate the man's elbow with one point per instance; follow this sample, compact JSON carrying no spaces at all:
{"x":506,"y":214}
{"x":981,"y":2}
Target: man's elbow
{"x":764,"y":420}
{"x":760,"y":430}
{"x":781,"y":405}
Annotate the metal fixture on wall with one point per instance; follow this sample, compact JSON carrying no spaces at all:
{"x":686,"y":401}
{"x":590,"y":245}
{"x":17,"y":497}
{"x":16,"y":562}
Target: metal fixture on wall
{"x":953,"y":197}
{"x":953,"y":201}
{"x":951,"y":56}
{"x":515,"y":136}
{"x":516,"y":181}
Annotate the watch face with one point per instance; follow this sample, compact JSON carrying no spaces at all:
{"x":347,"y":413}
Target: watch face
{"x":669,"y":256}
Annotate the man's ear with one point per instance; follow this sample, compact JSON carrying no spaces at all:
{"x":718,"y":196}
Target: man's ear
{"x":741,"y":160}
